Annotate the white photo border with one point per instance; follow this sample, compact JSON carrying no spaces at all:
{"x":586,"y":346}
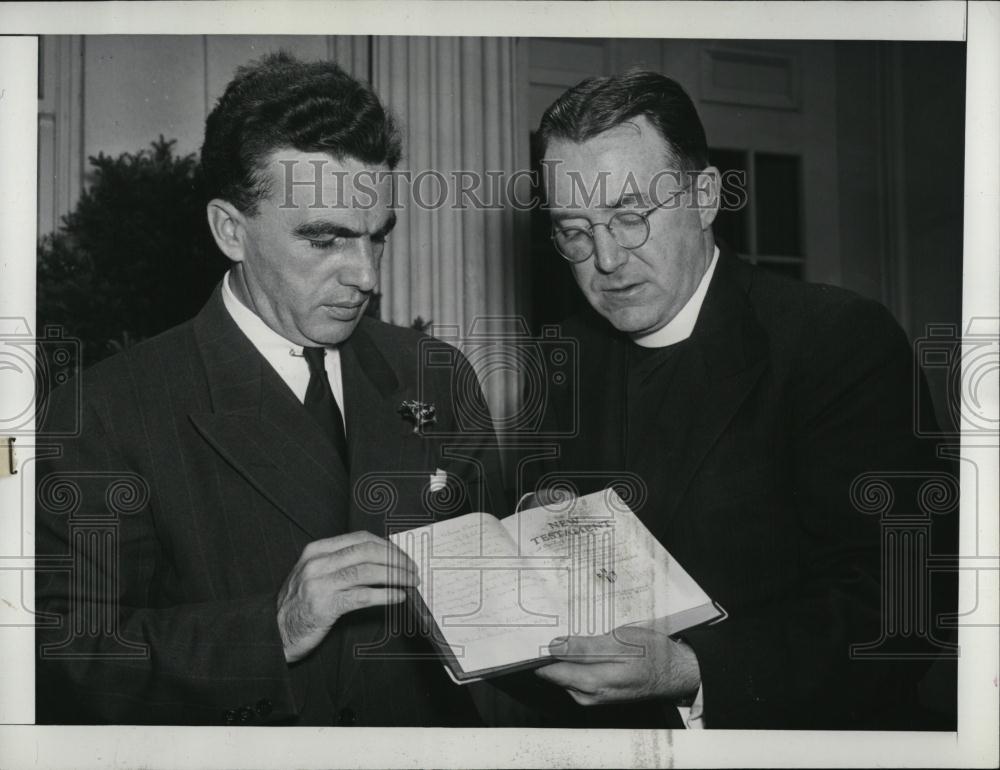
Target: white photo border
{"x":976,"y":742}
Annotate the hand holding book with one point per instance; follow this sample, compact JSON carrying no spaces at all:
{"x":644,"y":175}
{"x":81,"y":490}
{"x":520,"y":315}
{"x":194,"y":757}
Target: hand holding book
{"x":494,"y":593}
{"x":634,"y":662}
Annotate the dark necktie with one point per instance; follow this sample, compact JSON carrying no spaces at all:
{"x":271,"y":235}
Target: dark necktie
{"x":321,"y":403}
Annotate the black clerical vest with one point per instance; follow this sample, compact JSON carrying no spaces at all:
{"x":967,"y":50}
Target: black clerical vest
{"x":650,"y":372}
{"x":615,"y":440}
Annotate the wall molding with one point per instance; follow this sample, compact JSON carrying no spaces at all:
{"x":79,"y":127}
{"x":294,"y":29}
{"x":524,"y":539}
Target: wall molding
{"x":459,"y":106}
{"x":60,"y":128}
{"x":353,"y":53}
{"x":756,"y":78}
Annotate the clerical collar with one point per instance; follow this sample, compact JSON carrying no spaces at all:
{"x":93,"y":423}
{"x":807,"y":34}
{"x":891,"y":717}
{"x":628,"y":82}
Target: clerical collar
{"x":679,"y":327}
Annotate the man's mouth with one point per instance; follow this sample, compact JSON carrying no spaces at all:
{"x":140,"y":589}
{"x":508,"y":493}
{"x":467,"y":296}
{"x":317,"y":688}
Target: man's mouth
{"x":622,"y":291}
{"x":345,"y":311}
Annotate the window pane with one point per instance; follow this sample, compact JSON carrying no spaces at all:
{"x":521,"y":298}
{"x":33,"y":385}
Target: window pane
{"x":778,"y":201}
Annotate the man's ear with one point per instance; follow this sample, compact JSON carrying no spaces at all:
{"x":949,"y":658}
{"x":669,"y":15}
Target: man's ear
{"x":228,"y":226}
{"x":707,"y":195}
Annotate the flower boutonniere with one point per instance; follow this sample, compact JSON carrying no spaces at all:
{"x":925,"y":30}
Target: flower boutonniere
{"x":419,"y":413}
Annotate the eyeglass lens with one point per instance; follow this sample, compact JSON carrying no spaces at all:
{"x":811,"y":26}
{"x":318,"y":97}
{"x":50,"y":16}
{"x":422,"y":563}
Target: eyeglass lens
{"x":629,"y":230}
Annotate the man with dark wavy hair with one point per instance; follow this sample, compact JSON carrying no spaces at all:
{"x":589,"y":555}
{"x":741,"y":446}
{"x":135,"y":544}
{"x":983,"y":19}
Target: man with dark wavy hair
{"x":749,"y":405}
{"x":251,"y":583}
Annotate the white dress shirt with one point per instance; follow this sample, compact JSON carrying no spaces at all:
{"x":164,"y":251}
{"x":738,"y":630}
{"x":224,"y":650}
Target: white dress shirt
{"x":284,"y":356}
{"x":678,"y":329}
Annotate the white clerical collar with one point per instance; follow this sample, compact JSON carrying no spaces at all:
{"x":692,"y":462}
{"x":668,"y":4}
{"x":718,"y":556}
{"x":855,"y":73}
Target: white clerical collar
{"x":679,"y":327}
{"x":284,"y":356}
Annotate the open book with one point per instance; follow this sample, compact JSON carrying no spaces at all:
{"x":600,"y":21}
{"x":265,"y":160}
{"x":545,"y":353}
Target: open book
{"x":494,"y":593}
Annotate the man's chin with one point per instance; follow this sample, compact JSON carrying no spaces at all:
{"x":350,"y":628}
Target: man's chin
{"x":334,"y":332}
{"x":632,"y":321}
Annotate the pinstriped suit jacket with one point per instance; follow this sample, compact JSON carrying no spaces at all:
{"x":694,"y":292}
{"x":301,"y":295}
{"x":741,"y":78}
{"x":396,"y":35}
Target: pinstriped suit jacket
{"x":172,"y":518}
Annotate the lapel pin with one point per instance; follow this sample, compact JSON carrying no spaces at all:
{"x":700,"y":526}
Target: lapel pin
{"x":419,"y":413}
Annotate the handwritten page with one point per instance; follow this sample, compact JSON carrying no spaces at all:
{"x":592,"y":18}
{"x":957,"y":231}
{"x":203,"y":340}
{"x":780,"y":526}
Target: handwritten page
{"x":614,"y":572}
{"x":500,"y":591}
{"x":491,"y":606}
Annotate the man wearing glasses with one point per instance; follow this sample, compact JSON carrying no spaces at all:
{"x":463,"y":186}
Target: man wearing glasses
{"x":747,"y":404}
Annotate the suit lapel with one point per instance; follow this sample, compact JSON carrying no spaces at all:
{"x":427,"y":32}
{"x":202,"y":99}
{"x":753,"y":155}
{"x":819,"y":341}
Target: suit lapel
{"x":725,"y":358}
{"x":262,"y":430}
{"x":377,"y":436}
{"x":375,"y":431}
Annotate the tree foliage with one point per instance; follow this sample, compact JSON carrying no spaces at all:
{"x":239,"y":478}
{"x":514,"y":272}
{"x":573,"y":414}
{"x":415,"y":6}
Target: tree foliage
{"x":134,"y":257}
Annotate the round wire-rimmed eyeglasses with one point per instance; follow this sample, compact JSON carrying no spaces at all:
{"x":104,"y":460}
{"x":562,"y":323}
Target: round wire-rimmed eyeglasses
{"x":630,"y":229}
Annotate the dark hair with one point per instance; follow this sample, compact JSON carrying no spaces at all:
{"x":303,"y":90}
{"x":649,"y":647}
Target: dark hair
{"x":599,"y":104}
{"x":279,"y":101}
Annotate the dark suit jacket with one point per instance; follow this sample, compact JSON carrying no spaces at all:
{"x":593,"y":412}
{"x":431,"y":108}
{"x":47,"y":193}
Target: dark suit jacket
{"x":167,"y":526}
{"x":783,"y":396}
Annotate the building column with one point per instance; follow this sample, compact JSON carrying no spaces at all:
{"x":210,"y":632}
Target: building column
{"x":60,"y":128}
{"x":458,"y":100}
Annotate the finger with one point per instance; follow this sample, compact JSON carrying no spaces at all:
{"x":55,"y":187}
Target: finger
{"x":584,"y":699}
{"x":595,"y":649}
{"x":590,"y":684}
{"x":326,"y":575}
{"x":367,"y":574}
{"x":360,"y":597}
{"x":383,"y":553}
{"x":333,"y":544}
{"x":570,"y":676}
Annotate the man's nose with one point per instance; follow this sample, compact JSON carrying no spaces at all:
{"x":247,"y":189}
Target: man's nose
{"x":608,"y":255}
{"x":361,"y":269}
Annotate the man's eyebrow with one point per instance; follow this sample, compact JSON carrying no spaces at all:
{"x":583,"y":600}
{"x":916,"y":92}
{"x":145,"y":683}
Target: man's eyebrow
{"x":387,"y":228}
{"x":321,"y":228}
{"x":563,"y":216}
{"x":628,"y":200}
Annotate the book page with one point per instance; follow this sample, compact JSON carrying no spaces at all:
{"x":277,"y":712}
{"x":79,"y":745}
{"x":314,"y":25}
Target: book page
{"x":492,"y":607}
{"x":610,"y":569}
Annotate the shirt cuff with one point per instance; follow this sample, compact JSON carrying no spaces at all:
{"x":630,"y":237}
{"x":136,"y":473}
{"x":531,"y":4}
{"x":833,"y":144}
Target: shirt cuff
{"x":693,"y":716}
